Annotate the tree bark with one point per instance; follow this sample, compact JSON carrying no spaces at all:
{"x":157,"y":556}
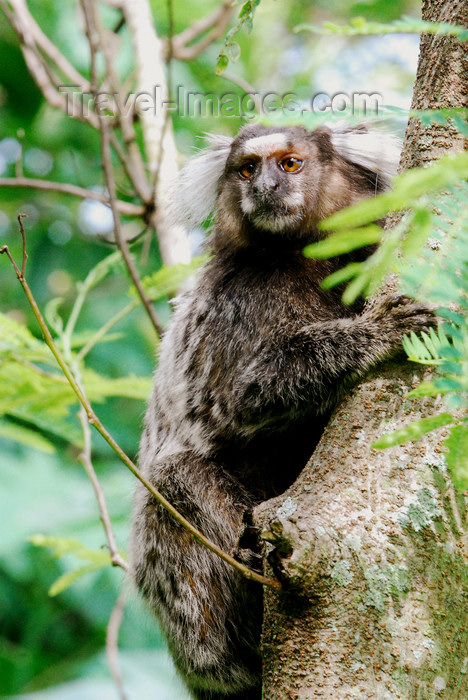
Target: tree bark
{"x":372,"y":546}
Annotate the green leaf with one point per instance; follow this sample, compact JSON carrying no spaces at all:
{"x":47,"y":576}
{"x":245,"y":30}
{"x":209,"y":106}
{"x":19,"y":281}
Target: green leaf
{"x":168,"y":279}
{"x":460,"y":124}
{"x":25,"y":436}
{"x":420,"y":230}
{"x":343,"y":242}
{"x":62,"y":428}
{"x":457,"y":454}
{"x":52,"y":315}
{"x":407,"y":188}
{"x":355,"y":288}
{"x":346,"y":273}
{"x":453,"y":316}
{"x":99,"y":387}
{"x":358,"y":26}
{"x":413,"y":431}
{"x":70,"y":577}
{"x":234,"y":51}
{"x":65,"y":545}
{"x":222,"y":63}
{"x":446,"y":384}
{"x":424,"y":389}
{"x":416,"y":349}
{"x":68,"y":545}
{"x":15,"y":335}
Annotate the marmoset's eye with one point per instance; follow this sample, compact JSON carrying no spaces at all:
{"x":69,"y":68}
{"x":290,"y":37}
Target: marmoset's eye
{"x":291,"y":165}
{"x":247,"y":170}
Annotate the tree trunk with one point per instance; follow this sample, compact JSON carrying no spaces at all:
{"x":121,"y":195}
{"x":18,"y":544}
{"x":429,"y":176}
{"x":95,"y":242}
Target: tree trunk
{"x":372,"y":546}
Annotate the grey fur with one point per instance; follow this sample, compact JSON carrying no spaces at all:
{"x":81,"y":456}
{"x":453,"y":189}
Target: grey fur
{"x":373,"y":149}
{"x":256,"y":358}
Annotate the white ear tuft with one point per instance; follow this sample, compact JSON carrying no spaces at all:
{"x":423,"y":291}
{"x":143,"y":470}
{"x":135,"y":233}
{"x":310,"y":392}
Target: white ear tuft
{"x":196,"y":188}
{"x":375,"y":150}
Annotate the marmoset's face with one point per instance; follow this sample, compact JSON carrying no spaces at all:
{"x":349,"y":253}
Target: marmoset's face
{"x":273,"y":176}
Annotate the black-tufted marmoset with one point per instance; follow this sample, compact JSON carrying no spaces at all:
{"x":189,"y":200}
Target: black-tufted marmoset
{"x":255,"y":359}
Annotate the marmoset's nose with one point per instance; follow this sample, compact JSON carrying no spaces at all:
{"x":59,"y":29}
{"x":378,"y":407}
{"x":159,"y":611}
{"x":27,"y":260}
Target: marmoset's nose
{"x":266,"y":182}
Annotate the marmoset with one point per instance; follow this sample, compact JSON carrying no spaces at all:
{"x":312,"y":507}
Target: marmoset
{"x":256,"y":357}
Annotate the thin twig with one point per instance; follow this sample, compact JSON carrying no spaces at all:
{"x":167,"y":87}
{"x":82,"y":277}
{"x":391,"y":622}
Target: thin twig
{"x":33,"y":41}
{"x":47,"y":46}
{"x":112,"y":643}
{"x":246,"y":87}
{"x":170,"y":49}
{"x":217,"y":22}
{"x":140,"y":186}
{"x":23,"y":239}
{"x":125,"y":208}
{"x":94,"y":420}
{"x":86,"y":461}
{"x":105,"y":328}
{"x":101,"y":42}
{"x":109,"y":176}
{"x":158,"y":136}
{"x":23,"y":24}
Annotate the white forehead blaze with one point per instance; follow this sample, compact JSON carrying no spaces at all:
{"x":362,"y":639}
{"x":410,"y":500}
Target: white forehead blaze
{"x":265,"y":145}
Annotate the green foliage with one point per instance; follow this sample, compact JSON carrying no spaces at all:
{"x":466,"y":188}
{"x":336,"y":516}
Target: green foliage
{"x":358,"y":26}
{"x":65,"y":545}
{"x":344,"y":242}
{"x":166,"y":280}
{"x":231,"y":49}
{"x":457,"y":446}
{"x":33,"y":390}
{"x":444,"y":116}
{"x":413,"y":431}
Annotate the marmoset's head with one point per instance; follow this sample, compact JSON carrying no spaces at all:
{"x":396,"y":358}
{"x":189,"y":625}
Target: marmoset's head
{"x":281,"y":181}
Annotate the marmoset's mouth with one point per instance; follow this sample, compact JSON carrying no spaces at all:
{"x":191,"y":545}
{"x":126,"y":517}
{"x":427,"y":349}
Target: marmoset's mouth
{"x":269,"y":211}
{"x":276,"y":221}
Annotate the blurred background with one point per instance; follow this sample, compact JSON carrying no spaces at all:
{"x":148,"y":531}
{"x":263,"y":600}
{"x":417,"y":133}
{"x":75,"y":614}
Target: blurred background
{"x":53,"y":647}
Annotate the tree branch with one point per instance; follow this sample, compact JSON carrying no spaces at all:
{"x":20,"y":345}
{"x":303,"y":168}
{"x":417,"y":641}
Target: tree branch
{"x":125,"y":208}
{"x":48,"y":47}
{"x":160,"y":148}
{"x":125,"y":119}
{"x":86,"y":461}
{"x":217,"y":22}
{"x":91,"y":32}
{"x":25,"y":27}
{"x":112,"y":643}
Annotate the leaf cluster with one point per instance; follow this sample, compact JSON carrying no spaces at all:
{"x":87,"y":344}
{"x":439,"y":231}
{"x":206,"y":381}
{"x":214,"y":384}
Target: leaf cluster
{"x":231,"y":49}
{"x":358,"y":26}
{"x":36,"y":402}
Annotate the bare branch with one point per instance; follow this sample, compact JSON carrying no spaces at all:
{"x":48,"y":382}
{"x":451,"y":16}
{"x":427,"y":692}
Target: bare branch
{"x":109,"y":175}
{"x":160,"y":148}
{"x":125,"y":208}
{"x":248,"y":89}
{"x":32,"y":41}
{"x":23,"y":239}
{"x":86,"y":461}
{"x":217,"y":22}
{"x":94,"y":420}
{"x":112,"y":643}
{"x":25,"y":27}
{"x":125,"y":120}
{"x":48,"y":47}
